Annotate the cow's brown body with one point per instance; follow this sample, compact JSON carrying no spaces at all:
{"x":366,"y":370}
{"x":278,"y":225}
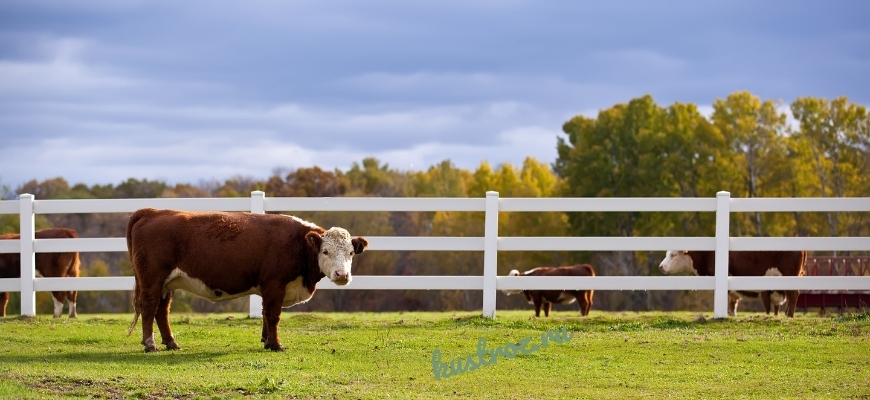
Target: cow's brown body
{"x":49,"y":265}
{"x":545,"y":298}
{"x":755,"y":263}
{"x":220,"y":256}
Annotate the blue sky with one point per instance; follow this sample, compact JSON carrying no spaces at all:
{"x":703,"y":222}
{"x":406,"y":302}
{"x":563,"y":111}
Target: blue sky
{"x":98,"y":91}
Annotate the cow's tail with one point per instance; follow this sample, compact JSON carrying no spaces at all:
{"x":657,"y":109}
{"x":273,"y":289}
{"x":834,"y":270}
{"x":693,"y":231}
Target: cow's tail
{"x":76,"y":263}
{"x":135,"y":320}
{"x":138,"y":214}
{"x":802,"y":271}
{"x":75,"y":266}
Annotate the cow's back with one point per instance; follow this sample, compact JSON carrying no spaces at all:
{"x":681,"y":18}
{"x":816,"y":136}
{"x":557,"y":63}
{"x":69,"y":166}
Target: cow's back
{"x":56,"y":233}
{"x":576,"y":270}
{"x":49,"y":264}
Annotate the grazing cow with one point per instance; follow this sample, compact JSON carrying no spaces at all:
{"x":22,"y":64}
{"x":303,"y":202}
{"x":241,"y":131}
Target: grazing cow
{"x":220,"y":256}
{"x":546,"y":298}
{"x":52,"y":265}
{"x":744,"y":263}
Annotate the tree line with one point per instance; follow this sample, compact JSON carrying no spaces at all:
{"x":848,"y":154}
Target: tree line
{"x":749,"y":147}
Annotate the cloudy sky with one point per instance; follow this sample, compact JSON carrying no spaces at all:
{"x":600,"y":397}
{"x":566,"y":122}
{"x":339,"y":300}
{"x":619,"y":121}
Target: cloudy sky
{"x":98,"y":91}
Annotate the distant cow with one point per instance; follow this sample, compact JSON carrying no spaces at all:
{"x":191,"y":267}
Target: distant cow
{"x":220,"y":256}
{"x":48,"y":265}
{"x":744,"y":263}
{"x":546,"y":298}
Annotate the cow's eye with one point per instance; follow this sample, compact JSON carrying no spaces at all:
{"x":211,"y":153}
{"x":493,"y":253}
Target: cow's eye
{"x":326,"y":252}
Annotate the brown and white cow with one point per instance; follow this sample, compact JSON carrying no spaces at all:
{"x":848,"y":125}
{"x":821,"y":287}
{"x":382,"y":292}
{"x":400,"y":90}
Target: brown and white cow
{"x":545,"y":298}
{"x":744,"y":263}
{"x":220,"y":256}
{"x":48,"y":265}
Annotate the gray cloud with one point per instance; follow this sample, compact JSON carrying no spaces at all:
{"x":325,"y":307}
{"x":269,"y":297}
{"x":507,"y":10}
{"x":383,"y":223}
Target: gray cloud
{"x":99,"y":91}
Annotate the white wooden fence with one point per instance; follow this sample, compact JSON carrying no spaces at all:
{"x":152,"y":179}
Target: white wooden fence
{"x":27,"y":207}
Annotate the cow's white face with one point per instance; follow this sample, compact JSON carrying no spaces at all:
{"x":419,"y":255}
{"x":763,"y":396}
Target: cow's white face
{"x":510,"y":292}
{"x":336,"y":250}
{"x":677,"y":261}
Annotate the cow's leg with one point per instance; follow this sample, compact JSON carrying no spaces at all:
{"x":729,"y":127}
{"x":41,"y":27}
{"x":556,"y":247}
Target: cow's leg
{"x":272,"y":299}
{"x":71,"y":297}
{"x":732,"y":304}
{"x":71,"y":301}
{"x":791,"y":297}
{"x":4,"y":301}
{"x":547,"y":307}
{"x":162,"y":318}
{"x":581,"y":302}
{"x":588,"y":303}
{"x":777,"y":302}
{"x":765,"y":300}
{"x":263,"y":333}
{"x":59,"y":298}
{"x":536,"y":300}
{"x":147,"y":301}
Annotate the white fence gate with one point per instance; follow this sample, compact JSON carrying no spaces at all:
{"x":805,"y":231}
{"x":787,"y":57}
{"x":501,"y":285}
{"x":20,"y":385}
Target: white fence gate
{"x":723,"y":205}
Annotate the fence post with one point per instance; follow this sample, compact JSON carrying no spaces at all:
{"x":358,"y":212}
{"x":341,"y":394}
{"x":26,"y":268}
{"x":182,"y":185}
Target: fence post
{"x":723,"y":221}
{"x":258,"y":206}
{"x":490,"y":254}
{"x":28,"y":258}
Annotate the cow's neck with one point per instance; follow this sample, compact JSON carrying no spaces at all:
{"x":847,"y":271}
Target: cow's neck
{"x":312,"y":273}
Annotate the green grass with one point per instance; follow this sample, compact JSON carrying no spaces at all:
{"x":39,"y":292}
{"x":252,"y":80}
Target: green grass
{"x":367,"y":355}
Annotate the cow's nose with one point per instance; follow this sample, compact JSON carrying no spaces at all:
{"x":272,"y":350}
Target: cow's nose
{"x":341,"y":277}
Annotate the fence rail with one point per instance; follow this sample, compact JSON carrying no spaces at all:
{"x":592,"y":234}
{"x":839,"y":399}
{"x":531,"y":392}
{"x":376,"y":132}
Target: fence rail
{"x":491,"y":243}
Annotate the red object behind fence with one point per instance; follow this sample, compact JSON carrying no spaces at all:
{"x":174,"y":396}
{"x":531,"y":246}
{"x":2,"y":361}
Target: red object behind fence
{"x":841,"y":299}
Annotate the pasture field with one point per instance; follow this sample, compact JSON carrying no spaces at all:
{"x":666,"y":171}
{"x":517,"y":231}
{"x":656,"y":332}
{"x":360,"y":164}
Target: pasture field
{"x":389,"y":355}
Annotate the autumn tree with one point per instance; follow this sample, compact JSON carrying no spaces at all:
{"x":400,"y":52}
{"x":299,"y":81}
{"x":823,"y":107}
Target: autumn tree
{"x":833,"y":139}
{"x":754,"y":133}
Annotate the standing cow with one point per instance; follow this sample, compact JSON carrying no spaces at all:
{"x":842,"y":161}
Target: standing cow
{"x":744,"y":263}
{"x":220,"y":256}
{"x":48,"y":265}
{"x":546,"y":298}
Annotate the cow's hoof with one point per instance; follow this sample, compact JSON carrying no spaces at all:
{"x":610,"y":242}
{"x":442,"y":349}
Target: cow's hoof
{"x":273,"y":347}
{"x":150,"y":349}
{"x":173,"y":345}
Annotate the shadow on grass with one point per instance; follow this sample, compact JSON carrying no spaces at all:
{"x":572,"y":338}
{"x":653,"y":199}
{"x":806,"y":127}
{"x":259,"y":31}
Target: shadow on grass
{"x":161,"y":358}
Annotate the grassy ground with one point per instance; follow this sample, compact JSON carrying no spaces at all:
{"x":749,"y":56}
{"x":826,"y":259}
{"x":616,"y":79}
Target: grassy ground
{"x":363,"y":355}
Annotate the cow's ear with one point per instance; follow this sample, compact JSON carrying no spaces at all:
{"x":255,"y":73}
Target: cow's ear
{"x":359,"y":244}
{"x":314,"y":240}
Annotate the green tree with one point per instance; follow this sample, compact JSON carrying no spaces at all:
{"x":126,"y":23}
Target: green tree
{"x":613,"y":155}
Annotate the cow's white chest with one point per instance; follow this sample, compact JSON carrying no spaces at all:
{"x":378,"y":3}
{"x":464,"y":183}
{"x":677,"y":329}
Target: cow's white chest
{"x":179,"y":280}
{"x":295,"y":293}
